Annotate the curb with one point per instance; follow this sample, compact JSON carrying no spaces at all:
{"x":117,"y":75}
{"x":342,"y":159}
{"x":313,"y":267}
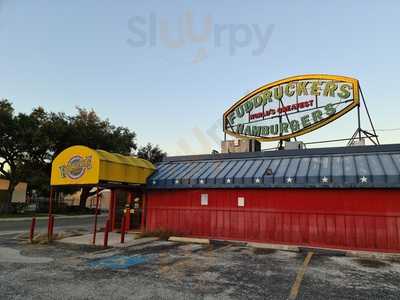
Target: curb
{"x":274,"y":247}
{"x":329,"y":251}
{"x":188,"y":240}
{"x":373,"y":255}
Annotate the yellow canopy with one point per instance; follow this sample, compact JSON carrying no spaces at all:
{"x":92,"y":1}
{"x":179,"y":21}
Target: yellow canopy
{"x":80,"y":165}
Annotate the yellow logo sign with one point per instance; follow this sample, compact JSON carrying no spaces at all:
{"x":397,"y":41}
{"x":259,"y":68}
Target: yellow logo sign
{"x":76,"y":167}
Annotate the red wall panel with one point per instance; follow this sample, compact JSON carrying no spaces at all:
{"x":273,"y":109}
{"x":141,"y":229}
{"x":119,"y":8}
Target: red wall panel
{"x":338,"y":218}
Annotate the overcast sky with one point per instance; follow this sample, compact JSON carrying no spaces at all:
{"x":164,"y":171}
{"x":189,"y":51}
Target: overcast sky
{"x":143,"y":65}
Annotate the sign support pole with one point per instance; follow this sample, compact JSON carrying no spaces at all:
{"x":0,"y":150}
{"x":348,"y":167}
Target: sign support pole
{"x":369,"y":116}
{"x":359,"y":122}
{"x":359,"y":130}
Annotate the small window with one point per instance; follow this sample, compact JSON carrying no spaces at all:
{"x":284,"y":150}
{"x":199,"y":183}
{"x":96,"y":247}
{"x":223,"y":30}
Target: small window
{"x":204,"y":199}
{"x":240,"y":201}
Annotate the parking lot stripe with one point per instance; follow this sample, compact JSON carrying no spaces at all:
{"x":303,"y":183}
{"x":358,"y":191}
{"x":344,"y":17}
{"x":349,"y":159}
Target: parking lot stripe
{"x":300,"y":274}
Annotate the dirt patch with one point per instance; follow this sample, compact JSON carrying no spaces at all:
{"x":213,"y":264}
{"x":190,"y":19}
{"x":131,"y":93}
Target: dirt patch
{"x":262,"y":251}
{"x":162,"y":234}
{"x":42,"y":238}
{"x":371,"y":263}
{"x":394,"y":260}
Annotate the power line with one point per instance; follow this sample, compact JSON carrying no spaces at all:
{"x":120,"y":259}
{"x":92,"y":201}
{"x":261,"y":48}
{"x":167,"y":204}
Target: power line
{"x":388,"y":129}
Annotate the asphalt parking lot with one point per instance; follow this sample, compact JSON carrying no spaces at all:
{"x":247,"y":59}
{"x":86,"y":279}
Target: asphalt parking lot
{"x":171,"y":270}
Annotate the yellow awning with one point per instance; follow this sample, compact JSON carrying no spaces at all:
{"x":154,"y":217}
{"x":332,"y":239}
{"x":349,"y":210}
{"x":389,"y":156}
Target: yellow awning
{"x":80,"y":165}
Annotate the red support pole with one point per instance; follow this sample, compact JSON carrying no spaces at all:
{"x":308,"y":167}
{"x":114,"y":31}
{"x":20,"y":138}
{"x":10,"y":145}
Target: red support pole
{"x":106,"y":230}
{"x":123,"y":229}
{"x":143,"y":215}
{"x":114,"y":208}
{"x":52,"y":227}
{"x":32,"y":231}
{"x":95,"y":216}
{"x":128,"y":212}
{"x":110,"y":208}
{"x":49,"y":226}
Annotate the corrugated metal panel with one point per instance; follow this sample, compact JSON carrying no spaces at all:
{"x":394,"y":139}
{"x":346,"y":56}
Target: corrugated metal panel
{"x":313,"y":170}
{"x":273,"y":166}
{"x":185,"y":174}
{"x":239,"y":176}
{"x":211,"y":179}
{"x":337,"y":170}
{"x":347,"y":170}
{"x":200,"y":172}
{"x":279,"y":174}
{"x":220,"y":178}
{"x":251,"y":173}
{"x":392,"y":173}
{"x":186,"y":179}
{"x":292,"y":169}
{"x":207,"y":173}
{"x":378,"y":175}
{"x":302,"y":171}
{"x":325,"y":171}
{"x":236,"y":168}
{"x":366,"y":219}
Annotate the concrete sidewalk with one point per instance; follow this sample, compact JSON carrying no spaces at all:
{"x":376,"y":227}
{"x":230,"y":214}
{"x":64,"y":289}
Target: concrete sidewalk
{"x":46,"y":217}
{"x":114,"y":240}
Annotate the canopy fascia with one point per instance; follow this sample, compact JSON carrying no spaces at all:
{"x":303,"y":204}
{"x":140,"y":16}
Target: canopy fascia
{"x":80,"y":165}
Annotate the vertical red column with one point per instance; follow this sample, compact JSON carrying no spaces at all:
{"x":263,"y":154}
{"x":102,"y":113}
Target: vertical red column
{"x":128,"y":213}
{"x":32,"y":229}
{"x":142,"y":221}
{"x":111,"y":210}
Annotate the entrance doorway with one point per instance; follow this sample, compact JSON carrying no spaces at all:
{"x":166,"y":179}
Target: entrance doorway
{"x":123,"y":201}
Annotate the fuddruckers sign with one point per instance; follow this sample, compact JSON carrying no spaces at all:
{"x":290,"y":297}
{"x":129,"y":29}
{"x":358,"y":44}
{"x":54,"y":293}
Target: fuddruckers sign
{"x":291,"y":107}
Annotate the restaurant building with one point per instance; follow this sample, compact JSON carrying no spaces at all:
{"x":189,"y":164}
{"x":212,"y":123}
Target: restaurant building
{"x":343,"y":197}
{"x":346,"y":197}
{"x":340,"y":197}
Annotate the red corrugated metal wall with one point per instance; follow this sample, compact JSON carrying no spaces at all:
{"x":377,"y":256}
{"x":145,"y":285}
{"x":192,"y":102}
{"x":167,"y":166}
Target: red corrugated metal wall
{"x":338,"y":218}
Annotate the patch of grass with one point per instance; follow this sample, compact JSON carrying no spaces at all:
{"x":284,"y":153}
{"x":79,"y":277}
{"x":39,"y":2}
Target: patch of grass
{"x":22,"y":215}
{"x":162,"y":234}
{"x":42,"y":238}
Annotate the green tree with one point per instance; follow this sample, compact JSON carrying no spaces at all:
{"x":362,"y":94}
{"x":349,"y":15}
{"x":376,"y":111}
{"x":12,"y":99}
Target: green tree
{"x":22,"y":144}
{"x":88,"y":129}
{"x":29,"y":142}
{"x":151,"y":153}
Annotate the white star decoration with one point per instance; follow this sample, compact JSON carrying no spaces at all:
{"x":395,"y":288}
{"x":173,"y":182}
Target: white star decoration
{"x":289,"y":180}
{"x":228,"y":181}
{"x":257,"y":180}
{"x":154,"y":182}
{"x":324,"y":179}
{"x":177,"y":181}
{"x":363,"y":179}
{"x":201,"y":181}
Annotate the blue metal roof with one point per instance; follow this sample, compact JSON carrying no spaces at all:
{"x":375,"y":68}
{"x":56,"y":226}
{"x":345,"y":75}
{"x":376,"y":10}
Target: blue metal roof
{"x":344,"y":167}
